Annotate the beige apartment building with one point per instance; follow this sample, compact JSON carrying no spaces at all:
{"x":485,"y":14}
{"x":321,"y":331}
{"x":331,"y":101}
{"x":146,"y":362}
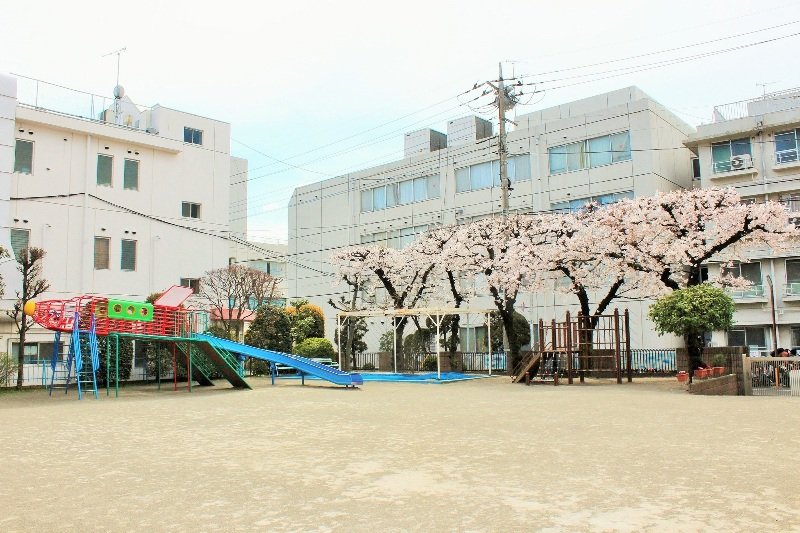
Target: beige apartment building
{"x":753,"y":146}
{"x":601,"y":148}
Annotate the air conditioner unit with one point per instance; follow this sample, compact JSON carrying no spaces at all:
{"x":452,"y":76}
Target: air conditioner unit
{"x":740,"y":162}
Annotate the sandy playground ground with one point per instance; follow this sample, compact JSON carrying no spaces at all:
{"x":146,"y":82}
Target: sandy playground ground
{"x":483,"y":455}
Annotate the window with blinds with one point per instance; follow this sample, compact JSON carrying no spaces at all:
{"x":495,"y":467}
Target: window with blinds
{"x":23,"y":157}
{"x":101,"y":255}
{"x":20,"y":239}
{"x":128,"y":255}
{"x":130,"y":175}
{"x":104,"y":165}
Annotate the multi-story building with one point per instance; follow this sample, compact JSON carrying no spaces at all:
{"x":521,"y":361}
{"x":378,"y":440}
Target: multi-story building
{"x":753,"y":146}
{"x":601,"y":148}
{"x":125,"y":201}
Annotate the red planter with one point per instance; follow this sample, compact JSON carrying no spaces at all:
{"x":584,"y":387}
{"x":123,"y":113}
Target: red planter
{"x":719,"y":371}
{"x":701,"y":373}
{"x":683,"y":377}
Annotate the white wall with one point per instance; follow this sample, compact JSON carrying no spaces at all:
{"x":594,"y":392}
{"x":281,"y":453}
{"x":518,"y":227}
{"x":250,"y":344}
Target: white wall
{"x":64,"y":208}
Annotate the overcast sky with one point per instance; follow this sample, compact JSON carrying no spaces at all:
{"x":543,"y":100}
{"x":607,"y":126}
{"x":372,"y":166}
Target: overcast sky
{"x":330,"y":87}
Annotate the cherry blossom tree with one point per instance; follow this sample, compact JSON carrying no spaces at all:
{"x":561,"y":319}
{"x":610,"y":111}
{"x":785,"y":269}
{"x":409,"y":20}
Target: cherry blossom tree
{"x":672,"y":235}
{"x":445,"y":280}
{"x":497,"y":250}
{"x":405,"y":276}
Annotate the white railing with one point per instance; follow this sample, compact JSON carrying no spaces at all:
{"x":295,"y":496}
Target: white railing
{"x":753,"y":291}
{"x":786,"y":156}
{"x":772,"y":102}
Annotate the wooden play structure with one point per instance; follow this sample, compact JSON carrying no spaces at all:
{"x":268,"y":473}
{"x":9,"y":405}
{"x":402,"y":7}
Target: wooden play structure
{"x":599,"y":346}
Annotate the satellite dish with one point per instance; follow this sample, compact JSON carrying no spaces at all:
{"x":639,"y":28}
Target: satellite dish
{"x":119,"y":91}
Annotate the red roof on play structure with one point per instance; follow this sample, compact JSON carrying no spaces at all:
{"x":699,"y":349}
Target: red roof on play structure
{"x":174,"y":296}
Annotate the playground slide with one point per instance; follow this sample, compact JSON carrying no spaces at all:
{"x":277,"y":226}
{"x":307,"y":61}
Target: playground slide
{"x":525,"y":368}
{"x":307,"y":366}
{"x":230,"y":373}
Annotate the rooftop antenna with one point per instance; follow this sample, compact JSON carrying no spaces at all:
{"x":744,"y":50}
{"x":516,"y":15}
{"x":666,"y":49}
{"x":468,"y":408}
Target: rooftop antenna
{"x":764,"y":88}
{"x":119,"y":90}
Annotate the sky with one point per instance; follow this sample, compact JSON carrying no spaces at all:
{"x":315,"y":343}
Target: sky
{"x":314,"y":90}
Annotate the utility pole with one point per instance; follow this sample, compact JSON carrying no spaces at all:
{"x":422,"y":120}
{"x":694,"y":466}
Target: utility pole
{"x":501,"y":141}
{"x":504,"y":100}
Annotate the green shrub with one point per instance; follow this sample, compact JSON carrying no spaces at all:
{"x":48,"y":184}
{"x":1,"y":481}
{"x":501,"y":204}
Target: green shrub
{"x":315,"y":347}
{"x":429,"y":363}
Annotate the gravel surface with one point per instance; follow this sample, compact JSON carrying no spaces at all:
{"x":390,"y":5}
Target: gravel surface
{"x":482,"y":455}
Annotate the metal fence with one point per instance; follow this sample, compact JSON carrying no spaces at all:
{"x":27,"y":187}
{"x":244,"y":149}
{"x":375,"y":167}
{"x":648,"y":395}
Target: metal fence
{"x":652,"y":361}
{"x":774,"y":376}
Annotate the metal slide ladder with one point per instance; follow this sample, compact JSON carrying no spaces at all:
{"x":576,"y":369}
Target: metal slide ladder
{"x":85,"y":365}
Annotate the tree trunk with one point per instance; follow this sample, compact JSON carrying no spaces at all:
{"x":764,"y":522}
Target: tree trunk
{"x":398,"y":343}
{"x":694,"y":349}
{"x":21,"y":355}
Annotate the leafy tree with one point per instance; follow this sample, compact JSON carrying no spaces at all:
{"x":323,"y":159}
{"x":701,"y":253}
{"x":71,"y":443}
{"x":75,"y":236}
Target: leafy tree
{"x":270,"y":330}
{"x":359,"y":330}
{"x":522,"y":331}
{"x":125,"y":359}
{"x":315,"y":347}
{"x":418,"y":342}
{"x":355,"y":328}
{"x":33,"y":285}
{"x":690,"y":312}
{"x":386,"y":341}
{"x":218,"y":331}
{"x":307,"y":320}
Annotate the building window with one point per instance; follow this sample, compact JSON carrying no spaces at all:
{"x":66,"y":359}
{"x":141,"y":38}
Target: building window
{"x":37,"y":352}
{"x":731,"y":155}
{"x":130,"y":175}
{"x":750,"y":272}
{"x":397,"y":239}
{"x":192,"y":283}
{"x":594,"y":152}
{"x":190,"y":210}
{"x":575,"y":205}
{"x":400,"y":193}
{"x":754,"y":337}
{"x":696,"y":168}
{"x":473,"y":339}
{"x":104,"y":165}
{"x":101,"y":253}
{"x":792,"y":277}
{"x":487,"y":174}
{"x":786,"y":146}
{"x":23,"y":157}
{"x":193,"y":136}
{"x":128,"y":255}
{"x":20,"y":239}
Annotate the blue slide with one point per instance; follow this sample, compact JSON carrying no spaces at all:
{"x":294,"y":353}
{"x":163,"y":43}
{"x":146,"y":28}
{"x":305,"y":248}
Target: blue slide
{"x":306,"y":366}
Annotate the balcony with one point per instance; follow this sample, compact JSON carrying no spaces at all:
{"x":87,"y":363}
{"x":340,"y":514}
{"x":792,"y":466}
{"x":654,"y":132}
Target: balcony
{"x":791,"y":291}
{"x":739,"y":165}
{"x":753,"y":293}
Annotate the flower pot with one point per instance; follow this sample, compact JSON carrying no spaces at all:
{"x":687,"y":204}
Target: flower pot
{"x":700,"y":373}
{"x":683,"y":377}
{"x":719,"y":371}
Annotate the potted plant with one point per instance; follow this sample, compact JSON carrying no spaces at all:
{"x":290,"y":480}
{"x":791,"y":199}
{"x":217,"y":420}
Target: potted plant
{"x":700,"y":373}
{"x":718,"y":364}
{"x":683,"y":376}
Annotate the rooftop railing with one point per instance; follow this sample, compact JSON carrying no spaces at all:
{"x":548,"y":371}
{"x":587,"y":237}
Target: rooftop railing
{"x":769,"y":103}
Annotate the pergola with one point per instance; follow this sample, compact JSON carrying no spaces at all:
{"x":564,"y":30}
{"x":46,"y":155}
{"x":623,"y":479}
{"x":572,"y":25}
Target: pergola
{"x":435,"y":314}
